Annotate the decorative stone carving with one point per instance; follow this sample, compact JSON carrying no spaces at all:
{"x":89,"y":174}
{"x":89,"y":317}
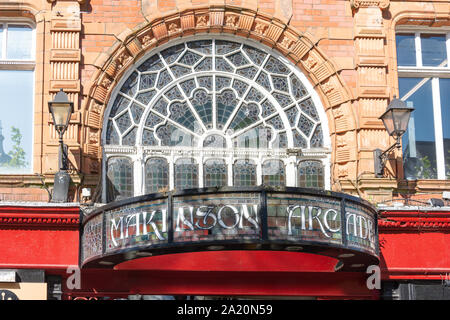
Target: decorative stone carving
{"x":106,"y":82}
{"x":173,"y":27}
{"x":382,"y":4}
{"x":202,"y":21}
{"x":286,"y":42}
{"x":231,"y":21}
{"x":260,"y":28}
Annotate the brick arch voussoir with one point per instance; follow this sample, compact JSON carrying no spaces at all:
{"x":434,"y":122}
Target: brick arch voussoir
{"x":299,"y":48}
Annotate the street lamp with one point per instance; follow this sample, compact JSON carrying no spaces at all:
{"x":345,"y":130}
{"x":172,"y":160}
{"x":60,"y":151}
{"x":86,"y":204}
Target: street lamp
{"x":395,"y":120}
{"x":61,"y":109}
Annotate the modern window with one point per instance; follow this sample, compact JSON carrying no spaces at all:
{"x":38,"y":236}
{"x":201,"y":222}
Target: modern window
{"x":17,"y":63}
{"x":424,"y":83}
{"x":218,"y":112}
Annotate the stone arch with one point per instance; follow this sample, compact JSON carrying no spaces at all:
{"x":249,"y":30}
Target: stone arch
{"x":299,"y":48}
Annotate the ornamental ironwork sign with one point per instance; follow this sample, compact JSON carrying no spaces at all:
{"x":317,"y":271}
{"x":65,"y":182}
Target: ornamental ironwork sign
{"x":231,"y":218}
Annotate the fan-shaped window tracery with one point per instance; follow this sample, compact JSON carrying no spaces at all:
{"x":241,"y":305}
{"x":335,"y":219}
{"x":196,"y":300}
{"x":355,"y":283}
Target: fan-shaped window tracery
{"x":213,"y":94}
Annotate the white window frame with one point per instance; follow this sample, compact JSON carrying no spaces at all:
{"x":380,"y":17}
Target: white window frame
{"x":433,"y":74}
{"x":17,"y":64}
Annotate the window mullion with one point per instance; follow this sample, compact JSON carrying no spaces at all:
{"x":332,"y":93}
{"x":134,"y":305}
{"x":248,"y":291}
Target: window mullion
{"x":440,"y":162}
{"x":418,"y":50}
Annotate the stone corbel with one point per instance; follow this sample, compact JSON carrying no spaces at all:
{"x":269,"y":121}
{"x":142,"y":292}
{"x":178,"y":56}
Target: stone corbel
{"x":356,"y":4}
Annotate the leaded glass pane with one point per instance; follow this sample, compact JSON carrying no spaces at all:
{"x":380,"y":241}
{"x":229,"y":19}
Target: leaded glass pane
{"x":248,"y":72}
{"x":119,"y":178}
{"x":280,"y":141}
{"x":148,"y":138}
{"x":202,"y":103}
{"x":136,"y":112}
{"x":171,"y":54}
{"x":156,"y":175}
{"x":273,"y":172}
{"x":280,"y":83}
{"x":256,"y":55}
{"x":188,"y":86}
{"x":215,"y":141}
{"x":205,"y":65}
{"x":179,"y":71}
{"x":299,"y":140}
{"x":267,"y":109}
{"x":123,"y":122}
{"x":244,"y":173}
{"x":224,"y":47}
{"x":291,"y":114}
{"x":111,"y":134}
{"x":222,"y":82}
{"x":161,"y":106}
{"x":308,"y":108}
{"x":317,"y":138}
{"x":215,"y":173}
{"x":152,"y":120}
{"x":274,"y":66}
{"x":282,"y":99}
{"x":130,"y":138}
{"x":256,"y":138}
{"x":254,"y":95}
{"x":131,"y":84}
{"x":120,"y":104}
{"x":226,"y":102}
{"x":222,"y":65}
{"x":276,"y":122}
{"x":240,"y":87}
{"x":263,"y":80}
{"x":205,"y":82}
{"x":186,"y":174}
{"x":173,"y":136}
{"x":182,"y":114}
{"x":151,"y":64}
{"x":246,"y":115}
{"x":202,"y":46}
{"x":147,"y":81}
{"x":190,"y":58}
{"x":238,"y":59}
{"x":311,"y":174}
{"x":298,"y":89}
{"x":174,"y":94}
{"x":305,"y":125}
{"x":164,"y":79}
{"x":146,"y":97}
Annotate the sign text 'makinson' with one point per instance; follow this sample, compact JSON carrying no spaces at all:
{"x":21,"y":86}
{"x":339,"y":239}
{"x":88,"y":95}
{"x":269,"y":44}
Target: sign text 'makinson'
{"x":232,"y":218}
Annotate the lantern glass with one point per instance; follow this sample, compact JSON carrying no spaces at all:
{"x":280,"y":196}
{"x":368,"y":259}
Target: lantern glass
{"x":61,"y":109}
{"x":396,"y":118}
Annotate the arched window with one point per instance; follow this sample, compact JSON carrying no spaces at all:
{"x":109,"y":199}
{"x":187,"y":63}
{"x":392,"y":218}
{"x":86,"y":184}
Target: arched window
{"x":311,"y":174}
{"x":215,"y":97}
{"x":273,"y":173}
{"x":186,"y":174}
{"x":119,"y":178}
{"x":244,"y":173}
{"x":156,"y":175}
{"x":215,"y":173}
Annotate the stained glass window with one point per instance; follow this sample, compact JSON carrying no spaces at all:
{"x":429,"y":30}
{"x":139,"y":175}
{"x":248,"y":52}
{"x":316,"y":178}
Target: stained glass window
{"x":196,"y":95}
{"x":273,"y":173}
{"x":215,"y":173}
{"x":244,"y":173}
{"x":119,"y":178}
{"x":156,"y":175}
{"x":186,"y":174}
{"x":311,"y":174}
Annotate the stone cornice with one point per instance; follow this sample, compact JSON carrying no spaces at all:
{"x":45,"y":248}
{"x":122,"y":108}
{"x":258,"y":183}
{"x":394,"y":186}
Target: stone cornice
{"x":50,"y":216}
{"x":415,"y":220}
